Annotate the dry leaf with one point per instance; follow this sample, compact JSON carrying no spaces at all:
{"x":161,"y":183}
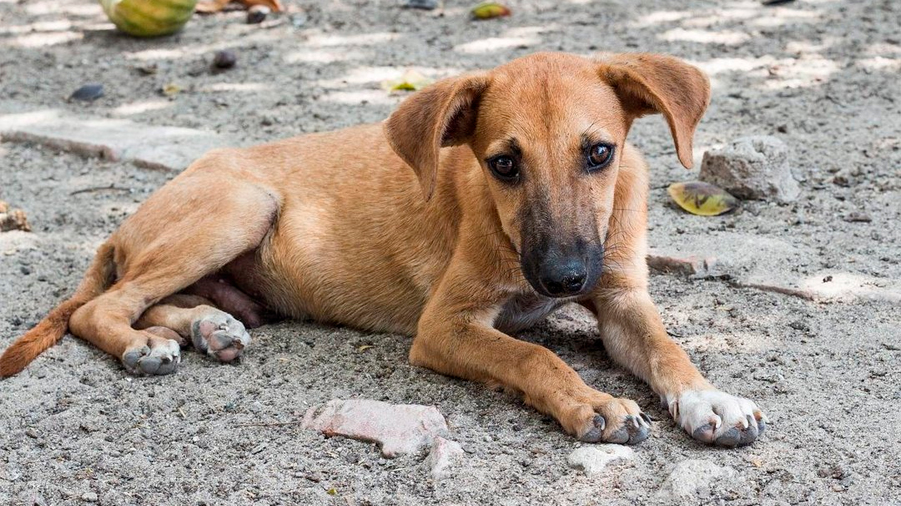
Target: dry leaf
{"x":171,"y":89}
{"x":364,"y":347}
{"x":410,"y":81}
{"x":489,"y":10}
{"x":14,"y":219}
{"x":701,"y":198}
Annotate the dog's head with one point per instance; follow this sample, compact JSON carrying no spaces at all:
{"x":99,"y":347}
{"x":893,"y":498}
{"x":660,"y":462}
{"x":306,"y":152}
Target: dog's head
{"x":549,"y":130}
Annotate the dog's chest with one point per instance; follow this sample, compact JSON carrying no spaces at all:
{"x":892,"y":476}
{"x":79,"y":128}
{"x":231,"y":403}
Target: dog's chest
{"x":524,"y":311}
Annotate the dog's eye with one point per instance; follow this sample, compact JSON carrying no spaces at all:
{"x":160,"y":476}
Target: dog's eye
{"x":599,"y":156}
{"x":504,"y":168}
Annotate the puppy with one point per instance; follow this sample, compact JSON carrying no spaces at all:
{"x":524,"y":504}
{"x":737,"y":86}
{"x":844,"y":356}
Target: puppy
{"x":480,"y":206}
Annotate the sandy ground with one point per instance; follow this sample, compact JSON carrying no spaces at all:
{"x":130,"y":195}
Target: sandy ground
{"x":822,"y":75}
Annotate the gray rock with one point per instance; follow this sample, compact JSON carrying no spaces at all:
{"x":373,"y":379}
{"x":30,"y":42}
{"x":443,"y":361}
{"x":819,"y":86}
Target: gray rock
{"x":694,"y":477}
{"x":754,"y":168}
{"x":593,"y":459}
{"x":90,"y":497}
{"x":421,"y":4}
{"x":442,"y":457}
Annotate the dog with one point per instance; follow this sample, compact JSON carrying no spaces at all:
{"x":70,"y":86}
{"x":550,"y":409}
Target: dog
{"x":523,"y":196}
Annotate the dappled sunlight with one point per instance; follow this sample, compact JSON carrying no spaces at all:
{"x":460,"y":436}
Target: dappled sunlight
{"x":141,"y":107}
{"x":241,"y":87}
{"x":83,"y":9}
{"x":367,"y":75}
{"x":379,"y":97}
{"x":806,"y":71}
{"x":881,"y":64}
{"x":40,"y":26}
{"x":308,"y":56}
{"x":847,"y":286}
{"x":362,"y":39}
{"x":36,"y":40}
{"x":732,"y":342}
{"x":660,"y":17}
{"x":495,"y":44}
{"x":726,"y":37}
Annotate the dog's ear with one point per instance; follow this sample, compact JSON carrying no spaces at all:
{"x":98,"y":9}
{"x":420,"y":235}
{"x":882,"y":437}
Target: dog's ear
{"x":443,"y":114}
{"x":651,"y":83}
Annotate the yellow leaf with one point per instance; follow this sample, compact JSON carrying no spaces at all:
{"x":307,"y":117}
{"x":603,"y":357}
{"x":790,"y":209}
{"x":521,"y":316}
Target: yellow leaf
{"x":171,"y":89}
{"x":364,"y":347}
{"x":489,"y":10}
{"x":332,"y":491}
{"x":702,"y":198}
{"x":410,"y":81}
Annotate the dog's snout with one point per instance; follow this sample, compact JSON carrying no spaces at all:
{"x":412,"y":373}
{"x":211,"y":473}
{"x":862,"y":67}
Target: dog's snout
{"x":564,"y":278}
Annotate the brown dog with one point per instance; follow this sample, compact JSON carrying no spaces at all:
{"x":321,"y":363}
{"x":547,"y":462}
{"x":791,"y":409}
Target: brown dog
{"x":524,"y":195}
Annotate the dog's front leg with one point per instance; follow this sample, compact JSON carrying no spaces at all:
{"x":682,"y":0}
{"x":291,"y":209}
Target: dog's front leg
{"x":634,"y":336}
{"x":456,"y":337}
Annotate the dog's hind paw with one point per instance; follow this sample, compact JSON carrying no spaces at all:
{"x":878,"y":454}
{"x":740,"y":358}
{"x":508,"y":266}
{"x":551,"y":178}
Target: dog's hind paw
{"x":219,"y":335}
{"x":157,"y":356}
{"x":718,"y":418}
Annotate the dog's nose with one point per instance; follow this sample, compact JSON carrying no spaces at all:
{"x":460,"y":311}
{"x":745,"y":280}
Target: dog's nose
{"x":564,"y":278}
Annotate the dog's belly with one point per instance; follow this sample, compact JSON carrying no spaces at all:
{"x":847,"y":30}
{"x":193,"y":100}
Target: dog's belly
{"x":524,"y":311}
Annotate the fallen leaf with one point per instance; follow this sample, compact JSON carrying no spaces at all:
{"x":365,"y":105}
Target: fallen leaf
{"x":171,"y":89}
{"x":701,"y":198}
{"x":490,"y":10}
{"x":410,"y":81}
{"x":14,"y":219}
{"x":332,"y":491}
{"x":364,"y":347}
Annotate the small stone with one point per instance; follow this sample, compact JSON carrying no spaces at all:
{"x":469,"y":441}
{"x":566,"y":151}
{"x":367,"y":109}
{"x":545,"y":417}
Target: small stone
{"x":87,"y":93}
{"x":32,"y":433}
{"x":593,"y":459}
{"x":90,"y":497}
{"x":257,"y":14}
{"x":421,"y":4}
{"x":443,"y":455}
{"x":691,"y":477}
{"x":755,"y":168}
{"x":224,"y":60}
{"x":858,"y":217}
{"x":397,"y":428}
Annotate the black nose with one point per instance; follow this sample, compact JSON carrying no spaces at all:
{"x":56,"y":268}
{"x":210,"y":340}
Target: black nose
{"x":564,"y":278}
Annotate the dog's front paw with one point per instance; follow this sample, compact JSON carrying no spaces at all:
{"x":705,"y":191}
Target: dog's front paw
{"x":718,"y":418}
{"x":604,"y":419}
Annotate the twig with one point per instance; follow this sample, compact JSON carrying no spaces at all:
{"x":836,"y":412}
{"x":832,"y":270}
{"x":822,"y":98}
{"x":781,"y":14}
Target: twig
{"x":271,"y":424}
{"x":100,"y":188}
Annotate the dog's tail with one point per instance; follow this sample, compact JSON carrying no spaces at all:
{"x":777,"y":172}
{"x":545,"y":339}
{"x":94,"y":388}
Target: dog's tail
{"x":54,"y":326}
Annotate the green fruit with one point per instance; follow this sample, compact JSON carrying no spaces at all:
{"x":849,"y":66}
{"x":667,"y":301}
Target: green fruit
{"x":148,"y":18}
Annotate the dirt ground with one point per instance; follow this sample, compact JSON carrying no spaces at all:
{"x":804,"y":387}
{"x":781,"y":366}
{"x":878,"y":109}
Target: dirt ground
{"x":822,"y":75}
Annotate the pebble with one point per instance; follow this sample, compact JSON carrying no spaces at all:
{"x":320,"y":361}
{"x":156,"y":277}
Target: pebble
{"x":593,"y":459}
{"x":224,"y":59}
{"x":421,"y":4}
{"x":87,"y":93}
{"x":752,"y":168}
{"x":257,"y":14}
{"x":90,"y":497}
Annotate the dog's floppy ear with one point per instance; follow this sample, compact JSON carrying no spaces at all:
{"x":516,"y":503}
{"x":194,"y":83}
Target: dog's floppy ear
{"x":651,"y":83}
{"x":443,"y":114}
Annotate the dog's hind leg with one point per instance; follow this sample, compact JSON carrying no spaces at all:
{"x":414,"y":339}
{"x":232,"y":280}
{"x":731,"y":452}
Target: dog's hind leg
{"x":194,"y":319}
{"x":190,"y":228}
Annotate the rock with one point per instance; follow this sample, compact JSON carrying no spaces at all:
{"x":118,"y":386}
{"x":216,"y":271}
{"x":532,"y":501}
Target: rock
{"x":693,"y":477}
{"x":224,"y":59}
{"x":755,"y":168}
{"x":87,"y":93}
{"x":443,"y":455}
{"x":257,"y":14}
{"x":396,"y":428}
{"x":90,"y":497}
{"x":421,"y":4}
{"x":593,"y":459}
